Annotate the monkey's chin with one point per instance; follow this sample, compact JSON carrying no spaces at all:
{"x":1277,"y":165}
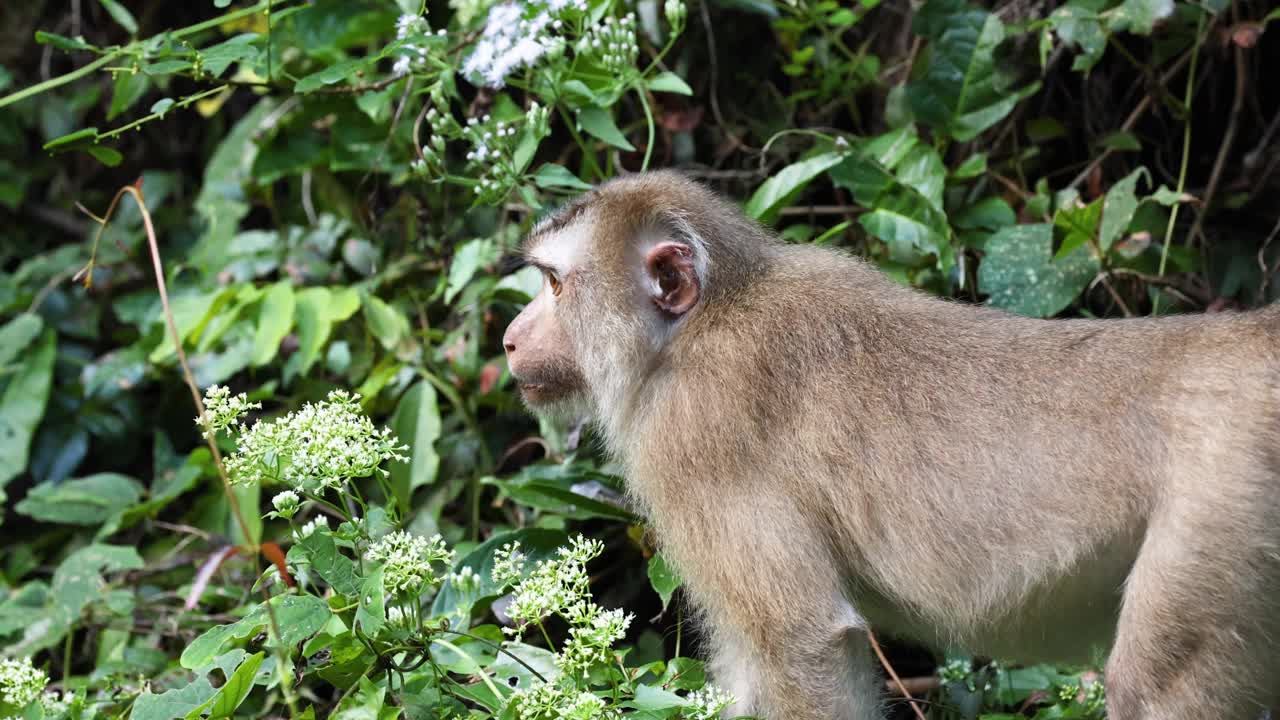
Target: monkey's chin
{"x":552,"y":400}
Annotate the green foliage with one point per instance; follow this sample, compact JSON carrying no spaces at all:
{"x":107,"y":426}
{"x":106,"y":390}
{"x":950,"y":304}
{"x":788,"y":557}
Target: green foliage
{"x":338,"y":190}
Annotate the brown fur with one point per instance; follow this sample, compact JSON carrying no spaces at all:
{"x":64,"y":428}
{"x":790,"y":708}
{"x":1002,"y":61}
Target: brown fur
{"x":821,"y":450}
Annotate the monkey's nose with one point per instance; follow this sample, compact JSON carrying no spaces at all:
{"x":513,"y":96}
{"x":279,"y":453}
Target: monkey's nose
{"x":508,"y":346}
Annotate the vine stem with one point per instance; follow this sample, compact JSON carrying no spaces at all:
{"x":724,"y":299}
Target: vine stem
{"x":115,"y":53}
{"x":648,"y":117}
{"x":1186,"y":153}
{"x":483,"y":675}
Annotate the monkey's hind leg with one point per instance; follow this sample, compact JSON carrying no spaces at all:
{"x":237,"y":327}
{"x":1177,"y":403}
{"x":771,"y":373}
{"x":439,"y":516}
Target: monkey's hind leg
{"x":1196,"y":634}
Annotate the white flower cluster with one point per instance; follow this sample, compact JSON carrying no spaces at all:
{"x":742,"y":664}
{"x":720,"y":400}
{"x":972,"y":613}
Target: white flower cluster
{"x":286,"y":503}
{"x":545,"y":701}
{"x":407,"y":561}
{"x":222,"y":410}
{"x":20,"y":683}
{"x":559,"y":586}
{"x":590,"y":644}
{"x":518,"y":34}
{"x":613,"y":43}
{"x":676,"y":12}
{"x":413,"y":55}
{"x":316,"y":448}
{"x":707,"y":703}
{"x":55,"y":704}
{"x":465,"y":580}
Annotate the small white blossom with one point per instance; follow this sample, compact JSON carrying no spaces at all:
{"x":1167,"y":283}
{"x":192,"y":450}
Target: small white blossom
{"x":545,"y":701}
{"x":407,"y":25}
{"x":407,"y":560}
{"x":222,"y":410}
{"x":590,"y":644}
{"x":402,"y":65}
{"x":707,"y":703}
{"x":20,"y":683}
{"x":319,"y":521}
{"x":557,"y":586}
{"x":286,"y":503}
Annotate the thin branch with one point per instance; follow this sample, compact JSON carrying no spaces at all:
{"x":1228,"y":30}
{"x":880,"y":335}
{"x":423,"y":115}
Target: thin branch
{"x":893,"y":675}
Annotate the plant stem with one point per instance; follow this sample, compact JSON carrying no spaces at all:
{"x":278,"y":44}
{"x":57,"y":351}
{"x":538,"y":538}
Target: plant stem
{"x":59,"y":81}
{"x":648,"y":117}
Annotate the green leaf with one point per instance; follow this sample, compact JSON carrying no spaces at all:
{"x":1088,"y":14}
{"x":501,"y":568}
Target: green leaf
{"x":1118,"y":209}
{"x":298,"y":617}
{"x":1120,"y":141}
{"x":363,"y":704}
{"x":174,"y":703}
{"x":962,"y":91}
{"x":669,"y":82}
{"x":329,"y":563}
{"x":85,"y":501}
{"x":551,"y":175}
{"x":417,"y":423}
{"x":1019,"y":273}
{"x":652,"y":697}
{"x":105,"y":155}
{"x":78,"y":580}
{"x":972,"y":167}
{"x":121,"y":15}
{"x":385,"y":322}
{"x":234,"y":691}
{"x":1138,"y":16}
{"x":72,"y":140}
{"x":1079,"y":26}
{"x":599,"y":123}
{"x":275,"y":317}
{"x":16,"y":336}
{"x":22,"y":406}
{"x":160,"y":106}
{"x":468,"y":260}
{"x":783,"y":187}
{"x":371,"y":614}
{"x":332,"y":74}
{"x":62,"y":42}
{"x":663,"y":579}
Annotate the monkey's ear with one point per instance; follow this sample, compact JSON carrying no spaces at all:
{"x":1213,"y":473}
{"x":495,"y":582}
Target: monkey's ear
{"x":673,"y":279}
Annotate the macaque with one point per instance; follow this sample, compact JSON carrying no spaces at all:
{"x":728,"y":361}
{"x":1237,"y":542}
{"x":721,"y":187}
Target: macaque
{"x":822,"y":451}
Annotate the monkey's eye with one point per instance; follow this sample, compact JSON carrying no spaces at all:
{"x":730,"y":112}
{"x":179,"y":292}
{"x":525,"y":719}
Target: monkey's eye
{"x":555,"y":283}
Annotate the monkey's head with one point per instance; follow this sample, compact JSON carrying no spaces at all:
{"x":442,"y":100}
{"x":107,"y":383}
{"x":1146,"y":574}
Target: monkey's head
{"x":624,"y":268}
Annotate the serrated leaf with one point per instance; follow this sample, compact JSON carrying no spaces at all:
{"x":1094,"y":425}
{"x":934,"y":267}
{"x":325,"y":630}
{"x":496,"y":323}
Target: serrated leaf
{"x":1019,"y":273}
{"x":599,"y":123}
{"x":275,"y":318}
{"x":417,"y":423}
{"x":234,"y":691}
{"x":299,"y":617}
{"x":329,"y":563}
{"x":669,"y":82}
{"x":774,"y":193}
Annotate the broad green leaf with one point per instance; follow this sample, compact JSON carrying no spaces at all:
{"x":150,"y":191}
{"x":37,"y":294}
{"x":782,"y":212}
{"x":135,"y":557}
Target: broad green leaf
{"x":780,"y":189}
{"x":121,"y":15}
{"x":468,"y":259}
{"x":329,"y":563}
{"x":551,"y":175}
{"x":298,"y":616}
{"x":234,"y":691}
{"x":669,"y":82}
{"x":371,"y":614}
{"x":1080,"y":26}
{"x":84,"y":501}
{"x":385,"y":322}
{"x":221,"y":203}
{"x":663,"y":579}
{"x":275,"y":317}
{"x":17,"y":334}
{"x":161,"y":106}
{"x":599,"y":123}
{"x":991,"y":213}
{"x":1139,"y":16}
{"x":22,"y":406}
{"x":1118,"y":209}
{"x":363,"y":704}
{"x":106,"y":155}
{"x":215,"y":59}
{"x":417,"y":423}
{"x":652,"y":697}
{"x":174,"y":703}
{"x":1120,"y":141}
{"x":1019,"y":273}
{"x":78,"y":580}
{"x":962,"y":91}
{"x":908,"y":222}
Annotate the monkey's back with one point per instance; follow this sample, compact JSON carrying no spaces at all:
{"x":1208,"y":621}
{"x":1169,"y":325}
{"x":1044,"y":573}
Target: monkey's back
{"x":1021,"y":432}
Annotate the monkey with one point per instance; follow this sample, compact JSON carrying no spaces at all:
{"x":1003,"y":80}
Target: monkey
{"x":822,"y":451}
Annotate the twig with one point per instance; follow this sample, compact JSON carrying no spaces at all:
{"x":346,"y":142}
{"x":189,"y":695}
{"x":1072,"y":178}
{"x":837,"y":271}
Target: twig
{"x":884,"y":661}
{"x":713,"y":68}
{"x":1267,"y":272}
